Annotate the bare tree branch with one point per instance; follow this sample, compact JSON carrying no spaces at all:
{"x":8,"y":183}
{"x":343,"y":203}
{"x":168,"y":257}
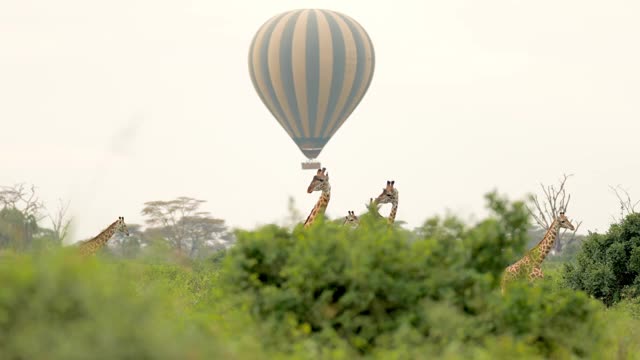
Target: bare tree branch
{"x":546,"y":209}
{"x":23,"y":199}
{"x":60,"y":222}
{"x":627,"y":206}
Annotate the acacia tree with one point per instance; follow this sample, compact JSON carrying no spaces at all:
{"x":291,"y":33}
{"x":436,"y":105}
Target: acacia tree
{"x":204,"y":231}
{"x":545,"y":210}
{"x":182,"y":223}
{"x":167,"y":215}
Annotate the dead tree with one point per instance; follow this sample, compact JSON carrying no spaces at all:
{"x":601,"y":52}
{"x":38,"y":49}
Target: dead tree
{"x":627,"y":206}
{"x":21,"y":198}
{"x":555,"y":200}
{"x":60,"y":222}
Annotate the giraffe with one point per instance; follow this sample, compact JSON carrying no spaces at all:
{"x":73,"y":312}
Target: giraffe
{"x":389,"y":195}
{"x":90,"y":247}
{"x":529,"y":264}
{"x":320,"y":182}
{"x":351,"y":219}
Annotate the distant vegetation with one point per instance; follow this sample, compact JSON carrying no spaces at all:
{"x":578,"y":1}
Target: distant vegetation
{"x":186,"y":287}
{"x":179,"y":224}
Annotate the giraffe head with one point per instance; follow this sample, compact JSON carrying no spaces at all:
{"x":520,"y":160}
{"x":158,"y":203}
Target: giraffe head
{"x":389,"y":194}
{"x":121,"y":226}
{"x":320,"y":181}
{"x":351,"y":219}
{"x":564,"y":222}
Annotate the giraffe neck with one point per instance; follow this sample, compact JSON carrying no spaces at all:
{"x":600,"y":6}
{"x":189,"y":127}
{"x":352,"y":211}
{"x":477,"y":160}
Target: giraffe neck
{"x":93,"y":245}
{"x":394,"y":211}
{"x":542,"y":249}
{"x":320,"y":206}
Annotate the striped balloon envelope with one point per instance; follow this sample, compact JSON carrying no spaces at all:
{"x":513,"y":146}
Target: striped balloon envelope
{"x":311,"y":68}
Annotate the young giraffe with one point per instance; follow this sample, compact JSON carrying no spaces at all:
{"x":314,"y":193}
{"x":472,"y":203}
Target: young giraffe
{"x":389,"y":195}
{"x":529,"y":264}
{"x":320,"y":182}
{"x":351,"y":219}
{"x":91,"y":246}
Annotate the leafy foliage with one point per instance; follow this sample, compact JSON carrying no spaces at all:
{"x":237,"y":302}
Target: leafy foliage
{"x":377,"y":291}
{"x":381,"y":292}
{"x":64,"y":308}
{"x":608,"y":265}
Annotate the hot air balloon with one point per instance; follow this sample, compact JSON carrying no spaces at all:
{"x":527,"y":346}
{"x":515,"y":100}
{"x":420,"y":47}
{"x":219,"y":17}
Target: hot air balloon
{"x":311,"y":68}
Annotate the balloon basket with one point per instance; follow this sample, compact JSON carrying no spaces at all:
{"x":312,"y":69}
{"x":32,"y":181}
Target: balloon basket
{"x":310,"y":165}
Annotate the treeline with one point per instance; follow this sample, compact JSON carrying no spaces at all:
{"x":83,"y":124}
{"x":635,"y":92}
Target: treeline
{"x":179,"y":225}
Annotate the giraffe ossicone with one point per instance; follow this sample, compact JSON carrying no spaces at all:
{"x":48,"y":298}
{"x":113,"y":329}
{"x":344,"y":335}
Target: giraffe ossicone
{"x":351,"y":219}
{"x":389,"y":195}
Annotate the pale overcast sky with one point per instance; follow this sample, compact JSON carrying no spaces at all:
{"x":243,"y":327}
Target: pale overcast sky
{"x":114,"y":103}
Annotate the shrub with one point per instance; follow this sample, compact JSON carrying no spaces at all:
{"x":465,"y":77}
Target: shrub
{"x":608,"y":265}
{"x":542,"y":316}
{"x":63,"y":307}
{"x":377,"y":290}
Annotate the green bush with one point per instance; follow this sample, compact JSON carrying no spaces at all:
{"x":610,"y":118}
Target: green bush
{"x":608,"y":265}
{"x":332,"y":292}
{"x":63,"y":307}
{"x":372,"y":291}
{"x":542,"y":316}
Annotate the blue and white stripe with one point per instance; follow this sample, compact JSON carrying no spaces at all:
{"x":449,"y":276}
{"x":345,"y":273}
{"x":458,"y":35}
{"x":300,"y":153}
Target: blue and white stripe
{"x":311,"y":68}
